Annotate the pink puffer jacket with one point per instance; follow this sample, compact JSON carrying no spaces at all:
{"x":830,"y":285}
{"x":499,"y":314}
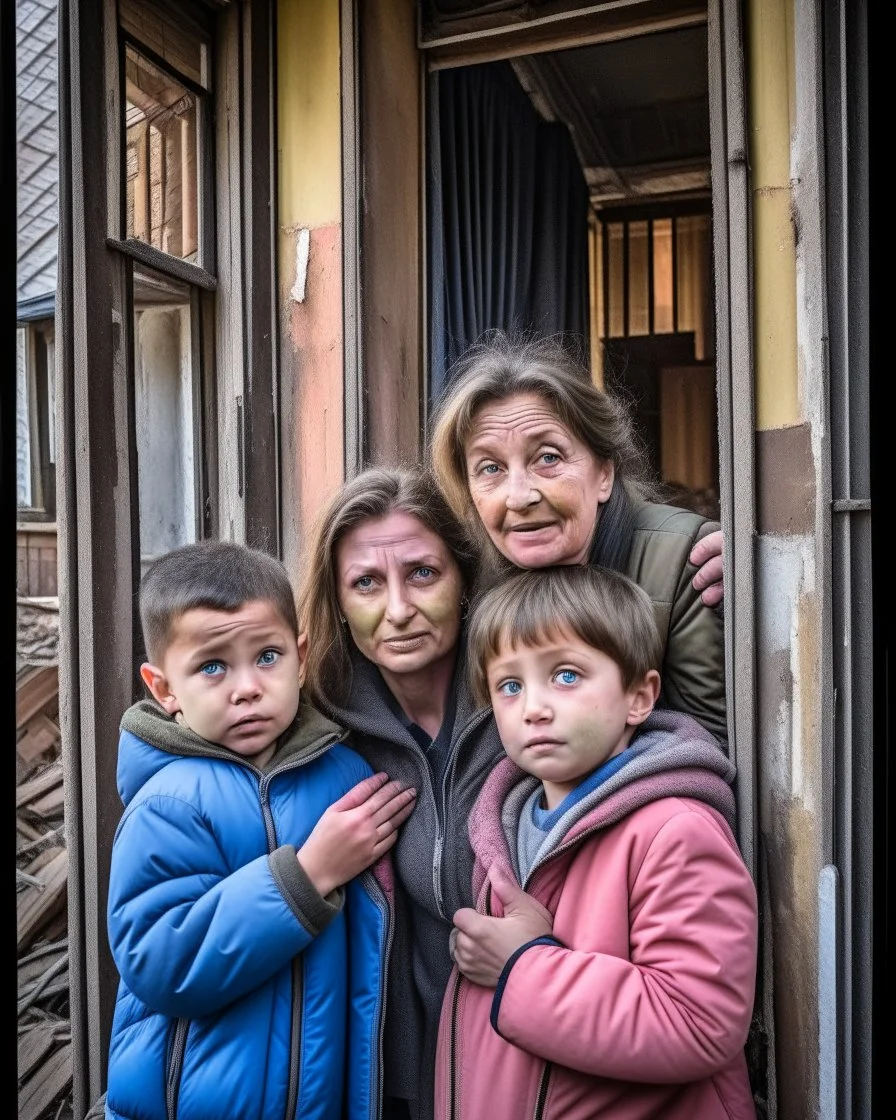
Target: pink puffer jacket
{"x":643,"y":1008}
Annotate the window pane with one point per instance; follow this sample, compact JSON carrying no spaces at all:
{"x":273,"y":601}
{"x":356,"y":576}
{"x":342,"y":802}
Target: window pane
{"x":161,"y":159}
{"x":164,"y":381}
{"x":616,"y":278}
{"x":694,"y":288}
{"x":638,"y":279}
{"x":23,"y":423}
{"x":663,"y":317}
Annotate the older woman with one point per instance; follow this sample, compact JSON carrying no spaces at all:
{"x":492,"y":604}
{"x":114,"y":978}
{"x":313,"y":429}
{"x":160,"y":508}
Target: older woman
{"x":543,"y":467}
{"x":386,"y":577}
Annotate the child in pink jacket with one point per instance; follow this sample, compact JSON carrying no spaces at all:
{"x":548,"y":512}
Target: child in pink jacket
{"x":621,"y":984}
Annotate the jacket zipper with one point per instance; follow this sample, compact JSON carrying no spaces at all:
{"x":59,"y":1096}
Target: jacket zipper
{"x":295,"y":1048}
{"x":175,"y":1066}
{"x":452,"y":1034}
{"x":378,"y":1066}
{"x":298,"y":964}
{"x":440,"y":807}
{"x":452,"y":1051}
{"x":541,"y":1098}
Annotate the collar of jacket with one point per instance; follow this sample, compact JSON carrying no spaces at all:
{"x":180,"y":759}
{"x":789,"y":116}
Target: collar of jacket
{"x":308,"y":734}
{"x":677,"y":757}
{"x":367,"y":711}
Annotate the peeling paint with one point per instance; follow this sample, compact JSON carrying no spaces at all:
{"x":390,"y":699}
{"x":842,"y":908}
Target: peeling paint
{"x":303,"y":241}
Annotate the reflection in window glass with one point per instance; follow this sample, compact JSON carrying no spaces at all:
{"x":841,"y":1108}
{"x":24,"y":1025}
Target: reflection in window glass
{"x":164,"y":381}
{"x":23,"y":423}
{"x":179,"y":38}
{"x":161,"y":159}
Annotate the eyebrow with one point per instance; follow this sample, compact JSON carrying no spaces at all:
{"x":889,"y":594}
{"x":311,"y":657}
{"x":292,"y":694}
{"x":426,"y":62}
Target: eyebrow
{"x":420,"y":560}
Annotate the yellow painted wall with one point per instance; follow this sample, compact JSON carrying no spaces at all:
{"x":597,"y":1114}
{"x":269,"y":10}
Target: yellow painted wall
{"x":312,"y":345}
{"x":771,"y":84}
{"x":309,"y":126}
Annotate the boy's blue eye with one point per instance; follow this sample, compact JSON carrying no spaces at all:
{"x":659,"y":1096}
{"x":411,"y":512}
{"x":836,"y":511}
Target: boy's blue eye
{"x":212,"y":668}
{"x":268,"y":657}
{"x":510,"y":688}
{"x":567,"y":676}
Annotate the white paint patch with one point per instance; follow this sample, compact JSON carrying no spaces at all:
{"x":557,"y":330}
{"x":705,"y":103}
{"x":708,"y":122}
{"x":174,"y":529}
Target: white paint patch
{"x":303,"y":244}
{"x":786,"y":579}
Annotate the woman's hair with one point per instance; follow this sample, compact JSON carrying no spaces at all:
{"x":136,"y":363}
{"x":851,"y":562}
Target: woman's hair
{"x":374,"y":493}
{"x":217,"y":575}
{"x":499,"y":366}
{"x":604,"y":608}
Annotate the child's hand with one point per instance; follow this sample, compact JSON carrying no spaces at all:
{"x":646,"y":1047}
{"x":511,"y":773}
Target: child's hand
{"x":355,"y":831}
{"x":481,"y":946}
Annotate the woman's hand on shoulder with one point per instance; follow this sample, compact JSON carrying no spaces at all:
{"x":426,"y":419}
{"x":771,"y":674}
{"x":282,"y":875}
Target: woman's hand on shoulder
{"x":707,"y":556}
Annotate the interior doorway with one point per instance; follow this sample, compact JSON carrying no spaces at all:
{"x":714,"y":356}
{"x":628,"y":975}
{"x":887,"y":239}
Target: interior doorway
{"x":569,"y":192}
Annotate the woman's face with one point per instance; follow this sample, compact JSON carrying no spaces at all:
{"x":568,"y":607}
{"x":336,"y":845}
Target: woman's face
{"x":536,"y":487}
{"x":400,"y":591}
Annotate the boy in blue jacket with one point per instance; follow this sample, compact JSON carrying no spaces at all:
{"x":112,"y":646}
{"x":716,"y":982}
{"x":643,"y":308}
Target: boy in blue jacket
{"x":250,"y":937}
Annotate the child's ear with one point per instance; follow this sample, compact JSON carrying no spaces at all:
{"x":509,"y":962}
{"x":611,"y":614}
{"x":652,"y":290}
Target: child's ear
{"x":302,"y":643}
{"x":644,"y":695}
{"x":157,"y":683}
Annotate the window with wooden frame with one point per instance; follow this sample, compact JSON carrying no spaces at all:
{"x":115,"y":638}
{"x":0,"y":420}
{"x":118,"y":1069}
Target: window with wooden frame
{"x":163,"y":203}
{"x":652,"y":313}
{"x":35,"y":422}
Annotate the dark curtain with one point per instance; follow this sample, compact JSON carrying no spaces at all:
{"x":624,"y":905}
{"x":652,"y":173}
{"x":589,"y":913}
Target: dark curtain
{"x":508,"y":228}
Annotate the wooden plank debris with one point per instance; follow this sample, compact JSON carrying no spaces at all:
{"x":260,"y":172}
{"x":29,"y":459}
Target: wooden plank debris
{"x":44,"y":1062}
{"x":40,"y":1091}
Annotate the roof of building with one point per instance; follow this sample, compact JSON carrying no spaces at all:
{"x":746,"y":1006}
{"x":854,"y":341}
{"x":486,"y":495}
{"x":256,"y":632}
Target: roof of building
{"x":37,"y":151}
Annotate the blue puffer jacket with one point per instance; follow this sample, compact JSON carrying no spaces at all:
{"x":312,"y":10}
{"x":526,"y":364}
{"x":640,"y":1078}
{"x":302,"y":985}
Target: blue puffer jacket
{"x":244,"y":994}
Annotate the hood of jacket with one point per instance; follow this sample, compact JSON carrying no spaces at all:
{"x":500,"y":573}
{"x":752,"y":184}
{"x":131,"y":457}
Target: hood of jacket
{"x":150,"y":739}
{"x":675,"y":756}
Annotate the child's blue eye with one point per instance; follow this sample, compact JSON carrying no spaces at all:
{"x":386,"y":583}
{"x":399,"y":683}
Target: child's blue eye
{"x":268,"y":657}
{"x":510,"y":688}
{"x":567,"y":676}
{"x":212,"y":668}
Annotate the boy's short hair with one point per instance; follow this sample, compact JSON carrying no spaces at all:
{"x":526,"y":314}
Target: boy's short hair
{"x":604,"y":608}
{"x":217,"y":575}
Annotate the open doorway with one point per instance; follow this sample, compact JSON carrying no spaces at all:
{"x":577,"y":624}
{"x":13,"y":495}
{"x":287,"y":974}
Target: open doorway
{"x":569,"y":192}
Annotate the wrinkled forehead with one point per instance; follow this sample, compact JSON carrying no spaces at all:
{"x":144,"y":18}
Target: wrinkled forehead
{"x":526,"y":401}
{"x":397,"y":535}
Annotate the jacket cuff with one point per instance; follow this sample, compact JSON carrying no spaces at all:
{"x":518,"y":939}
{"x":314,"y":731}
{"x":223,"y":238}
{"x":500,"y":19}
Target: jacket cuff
{"x":505,"y":974}
{"x":314,"y":910}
